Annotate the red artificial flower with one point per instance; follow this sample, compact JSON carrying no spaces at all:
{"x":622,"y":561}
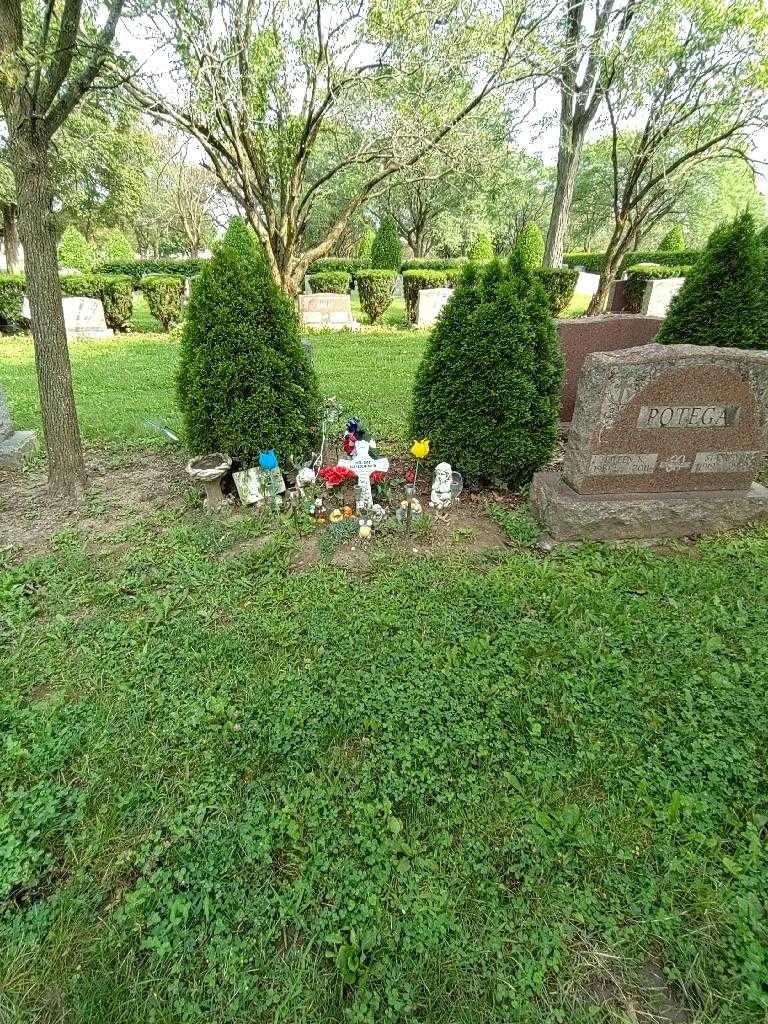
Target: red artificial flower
{"x":335,"y":475}
{"x":349,"y":443}
{"x":410,"y":476}
{"x":377,"y":476}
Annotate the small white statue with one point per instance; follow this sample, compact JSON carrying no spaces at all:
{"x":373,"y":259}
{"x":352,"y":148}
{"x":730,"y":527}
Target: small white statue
{"x":442,"y":486}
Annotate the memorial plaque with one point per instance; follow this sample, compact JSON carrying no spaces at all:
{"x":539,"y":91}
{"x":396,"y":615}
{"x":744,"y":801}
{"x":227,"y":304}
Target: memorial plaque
{"x":326,"y":309}
{"x":666,"y":441}
{"x":668,"y":418}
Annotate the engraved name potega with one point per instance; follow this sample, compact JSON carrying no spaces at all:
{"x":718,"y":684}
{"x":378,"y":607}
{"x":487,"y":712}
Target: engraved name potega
{"x":689,"y":416}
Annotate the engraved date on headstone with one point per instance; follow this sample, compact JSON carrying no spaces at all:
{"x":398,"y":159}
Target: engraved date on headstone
{"x":726,"y":462}
{"x":622,"y":465}
{"x":688,"y":416}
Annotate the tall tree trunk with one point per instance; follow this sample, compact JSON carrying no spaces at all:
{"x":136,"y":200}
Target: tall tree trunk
{"x":614,"y":254}
{"x":11,"y":236}
{"x":568,"y":159}
{"x":66,"y":470}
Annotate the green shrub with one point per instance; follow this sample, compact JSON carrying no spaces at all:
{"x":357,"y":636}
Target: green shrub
{"x":375,"y":288}
{"x":244,"y":382}
{"x":723,"y":299}
{"x":11,"y":296}
{"x":137,"y":269}
{"x":165,"y":298}
{"x":530,"y":245}
{"x":430,"y":263}
{"x":75,"y":251}
{"x":333,"y":264}
{"x":117,"y":247}
{"x":387,"y":249}
{"x":559,"y":284}
{"x":481,"y":249}
{"x":673,"y":241}
{"x":639,"y":276}
{"x":487,"y":393}
{"x":593,"y":261}
{"x":415,"y":280}
{"x":365,"y":248}
{"x":116,"y":294}
{"x":337,"y":281}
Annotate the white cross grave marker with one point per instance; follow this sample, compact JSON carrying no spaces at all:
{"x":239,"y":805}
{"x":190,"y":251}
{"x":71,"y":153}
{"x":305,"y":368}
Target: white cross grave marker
{"x":362,"y":465}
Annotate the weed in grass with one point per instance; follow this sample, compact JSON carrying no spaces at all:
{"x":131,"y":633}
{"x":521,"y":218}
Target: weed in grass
{"x":517,"y":524}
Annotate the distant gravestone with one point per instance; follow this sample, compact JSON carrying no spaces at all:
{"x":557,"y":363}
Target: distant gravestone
{"x":83,"y":318}
{"x":326,"y":309}
{"x":666,"y":440}
{"x":658,"y":295}
{"x":15,"y":445}
{"x":586,"y":284}
{"x":430,"y":305}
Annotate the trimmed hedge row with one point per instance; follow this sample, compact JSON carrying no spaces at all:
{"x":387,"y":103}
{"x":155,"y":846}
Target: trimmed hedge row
{"x":11,"y":295}
{"x":559,"y":284}
{"x":427,"y":263}
{"x":336,"y":281}
{"x":164,"y":294}
{"x":593,"y":261}
{"x":639,"y":276}
{"x":115,"y":292}
{"x":336,"y":264}
{"x":136,"y":269}
{"x":165,"y":297}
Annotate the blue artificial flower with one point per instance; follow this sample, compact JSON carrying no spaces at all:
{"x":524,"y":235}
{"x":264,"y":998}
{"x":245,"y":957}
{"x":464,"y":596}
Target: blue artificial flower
{"x":355,"y":428}
{"x":268,"y":460}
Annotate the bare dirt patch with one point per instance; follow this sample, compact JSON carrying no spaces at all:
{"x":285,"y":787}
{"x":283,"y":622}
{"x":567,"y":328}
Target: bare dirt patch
{"x":122,"y":489}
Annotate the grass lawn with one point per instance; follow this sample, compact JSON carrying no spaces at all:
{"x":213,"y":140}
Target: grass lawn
{"x":470,"y":789}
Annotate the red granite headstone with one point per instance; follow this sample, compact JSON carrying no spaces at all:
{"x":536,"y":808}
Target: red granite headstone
{"x":660,"y":435}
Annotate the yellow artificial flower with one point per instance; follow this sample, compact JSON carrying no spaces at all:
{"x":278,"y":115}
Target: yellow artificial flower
{"x":420,"y":448}
{"x":336,"y":516}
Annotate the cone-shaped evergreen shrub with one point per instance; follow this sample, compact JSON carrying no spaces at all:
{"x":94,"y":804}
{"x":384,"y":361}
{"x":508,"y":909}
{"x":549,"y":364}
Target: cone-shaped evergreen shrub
{"x":481,"y":250}
{"x":673,"y":241}
{"x":487,"y":393}
{"x":722,"y":300}
{"x":387,"y":249}
{"x":244,"y":382}
{"x":75,"y":251}
{"x":530,"y":246}
{"x":117,"y":247}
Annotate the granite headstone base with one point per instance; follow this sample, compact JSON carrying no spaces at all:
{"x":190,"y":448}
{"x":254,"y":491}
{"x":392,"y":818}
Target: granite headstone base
{"x":15,"y":449}
{"x":568,"y":515}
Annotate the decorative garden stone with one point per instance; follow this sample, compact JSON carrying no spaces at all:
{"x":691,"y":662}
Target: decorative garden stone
{"x":666,"y":440}
{"x":15,"y":445}
{"x":209,"y":470}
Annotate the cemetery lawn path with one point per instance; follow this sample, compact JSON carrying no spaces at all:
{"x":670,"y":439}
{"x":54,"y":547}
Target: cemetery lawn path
{"x":513,"y":788}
